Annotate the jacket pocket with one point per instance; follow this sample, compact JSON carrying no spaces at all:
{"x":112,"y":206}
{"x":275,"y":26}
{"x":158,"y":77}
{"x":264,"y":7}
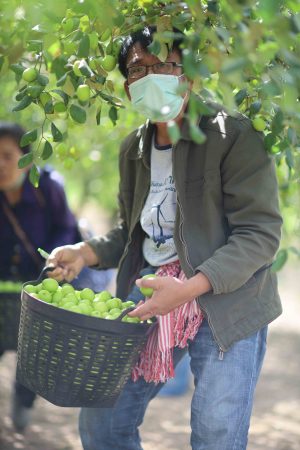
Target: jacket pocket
{"x":227,"y":309}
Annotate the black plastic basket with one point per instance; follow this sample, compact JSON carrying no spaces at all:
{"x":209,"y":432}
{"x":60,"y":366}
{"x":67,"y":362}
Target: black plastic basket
{"x":75,"y":360}
{"x":10,"y":307}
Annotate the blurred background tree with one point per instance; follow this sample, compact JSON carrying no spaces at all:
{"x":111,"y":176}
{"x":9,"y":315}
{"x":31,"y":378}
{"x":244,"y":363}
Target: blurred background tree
{"x":59,"y":79}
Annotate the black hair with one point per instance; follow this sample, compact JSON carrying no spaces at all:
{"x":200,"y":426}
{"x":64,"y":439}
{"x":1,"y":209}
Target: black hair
{"x":144,"y":37}
{"x":15,"y":132}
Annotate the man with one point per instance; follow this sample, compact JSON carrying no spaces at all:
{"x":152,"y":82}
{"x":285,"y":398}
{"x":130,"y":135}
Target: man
{"x":213,"y":210}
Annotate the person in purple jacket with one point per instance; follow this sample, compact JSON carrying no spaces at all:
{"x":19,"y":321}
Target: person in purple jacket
{"x":31,"y":218}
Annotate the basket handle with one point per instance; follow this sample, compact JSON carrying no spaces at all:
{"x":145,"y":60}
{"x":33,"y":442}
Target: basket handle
{"x":43,"y":273}
{"x":127,"y":310}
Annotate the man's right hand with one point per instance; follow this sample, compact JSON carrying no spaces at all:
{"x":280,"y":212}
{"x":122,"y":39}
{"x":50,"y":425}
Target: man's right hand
{"x":69,"y":260}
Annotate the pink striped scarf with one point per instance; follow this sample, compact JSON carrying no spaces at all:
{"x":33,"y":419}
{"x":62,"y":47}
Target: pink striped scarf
{"x":172,"y":330}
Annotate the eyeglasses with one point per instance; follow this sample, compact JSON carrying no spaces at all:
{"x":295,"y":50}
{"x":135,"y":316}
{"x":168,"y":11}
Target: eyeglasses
{"x":163,"y":68}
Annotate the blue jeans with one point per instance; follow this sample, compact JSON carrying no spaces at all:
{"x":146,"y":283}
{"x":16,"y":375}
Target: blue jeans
{"x":221,"y":404}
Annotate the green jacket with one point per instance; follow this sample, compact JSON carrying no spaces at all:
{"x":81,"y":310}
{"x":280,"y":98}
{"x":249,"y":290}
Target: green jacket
{"x":227,"y":221}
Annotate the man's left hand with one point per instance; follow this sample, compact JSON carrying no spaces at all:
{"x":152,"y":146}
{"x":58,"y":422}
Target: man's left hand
{"x":168,"y":294}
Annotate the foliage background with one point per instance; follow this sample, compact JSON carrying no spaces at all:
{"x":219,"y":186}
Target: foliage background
{"x":242,"y":53}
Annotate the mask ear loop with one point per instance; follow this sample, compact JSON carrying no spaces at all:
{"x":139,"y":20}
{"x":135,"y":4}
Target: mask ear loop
{"x":185,"y":95}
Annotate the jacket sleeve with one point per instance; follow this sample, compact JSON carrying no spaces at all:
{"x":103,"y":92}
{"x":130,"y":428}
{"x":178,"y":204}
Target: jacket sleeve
{"x":250,"y":199}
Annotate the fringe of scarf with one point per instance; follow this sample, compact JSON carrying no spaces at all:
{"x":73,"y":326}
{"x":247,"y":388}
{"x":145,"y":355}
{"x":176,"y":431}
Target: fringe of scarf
{"x":172,"y":330}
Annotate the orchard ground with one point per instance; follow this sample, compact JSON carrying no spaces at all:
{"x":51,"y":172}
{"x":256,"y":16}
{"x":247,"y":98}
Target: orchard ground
{"x":275,"y":421}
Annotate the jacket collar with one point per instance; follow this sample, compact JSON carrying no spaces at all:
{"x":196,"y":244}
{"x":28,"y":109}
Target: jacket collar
{"x":139,"y":147}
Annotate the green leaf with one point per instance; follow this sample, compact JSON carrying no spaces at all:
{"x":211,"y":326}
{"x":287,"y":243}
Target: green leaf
{"x":269,"y":141}
{"x":42,"y":80}
{"x":280,"y":260}
{"x":34,"y":91}
{"x":59,"y":66}
{"x":77,"y":36}
{"x":98,"y":115}
{"x":154,"y":48}
{"x":173,"y":131}
{"x":240,"y":96}
{"x":113,"y":114}
{"x":289,"y":158}
{"x":233,"y":65}
{"x":204,"y":71}
{"x":268,"y":9}
{"x":164,"y":51}
{"x":277,"y":122}
{"x":62,"y":94}
{"x":23,"y":103}
{"x":34,"y":176}
{"x":28,"y":138}
{"x":77,"y":113}
{"x":47,"y":150}
{"x":295,"y":23}
{"x":62,"y":80}
{"x":84,"y":47}
{"x":191,"y":64}
{"x":270,"y":89}
{"x":17,"y":68}
{"x":255,"y":107}
{"x":196,"y":134}
{"x":34,"y":45}
{"x":57,"y":135}
{"x":86,"y":70}
{"x":20,"y":95}
{"x":292,"y":136}
{"x":49,"y":107}
{"x":25,"y":160}
{"x":109,"y":99}
{"x":197,"y":106}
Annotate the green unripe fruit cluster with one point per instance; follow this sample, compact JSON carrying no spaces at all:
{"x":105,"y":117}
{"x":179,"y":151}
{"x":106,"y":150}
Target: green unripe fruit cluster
{"x":85,"y":301}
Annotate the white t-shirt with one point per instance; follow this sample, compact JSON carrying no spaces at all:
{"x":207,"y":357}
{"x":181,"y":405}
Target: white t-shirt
{"x":158,"y":214}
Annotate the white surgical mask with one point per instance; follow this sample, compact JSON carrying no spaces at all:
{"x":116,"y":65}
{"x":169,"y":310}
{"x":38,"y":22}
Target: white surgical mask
{"x":155,"y":96}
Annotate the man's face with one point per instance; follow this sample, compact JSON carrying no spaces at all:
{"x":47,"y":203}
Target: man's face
{"x":10,"y":154}
{"x":138,"y":56}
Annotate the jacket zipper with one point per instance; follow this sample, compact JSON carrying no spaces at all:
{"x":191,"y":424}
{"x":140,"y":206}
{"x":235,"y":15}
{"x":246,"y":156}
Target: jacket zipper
{"x":181,"y":236}
{"x":221,"y":350}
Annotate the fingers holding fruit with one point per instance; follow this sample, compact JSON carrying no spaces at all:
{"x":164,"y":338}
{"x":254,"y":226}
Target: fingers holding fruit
{"x":164,"y":295}
{"x":147,"y":284}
